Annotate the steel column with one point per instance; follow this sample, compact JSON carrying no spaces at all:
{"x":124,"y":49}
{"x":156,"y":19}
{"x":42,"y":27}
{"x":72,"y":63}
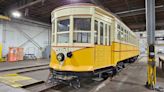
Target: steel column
{"x":150,"y":27}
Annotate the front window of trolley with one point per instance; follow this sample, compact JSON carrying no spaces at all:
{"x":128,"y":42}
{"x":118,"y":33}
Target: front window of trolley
{"x":82,"y":30}
{"x":63,"y":26}
{"x":73,"y":30}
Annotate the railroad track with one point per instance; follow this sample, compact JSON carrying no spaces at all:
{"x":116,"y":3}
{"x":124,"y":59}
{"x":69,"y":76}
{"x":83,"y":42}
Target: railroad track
{"x":25,"y":69}
{"x":86,"y":84}
{"x":43,"y":87}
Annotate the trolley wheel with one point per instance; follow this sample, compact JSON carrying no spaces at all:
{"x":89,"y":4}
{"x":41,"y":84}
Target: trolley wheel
{"x":75,"y":83}
{"x":115,"y":70}
{"x":105,"y":76}
{"x":123,"y":65}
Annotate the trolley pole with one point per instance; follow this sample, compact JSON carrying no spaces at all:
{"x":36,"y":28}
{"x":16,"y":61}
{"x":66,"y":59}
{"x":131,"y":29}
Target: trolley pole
{"x":150,"y":28}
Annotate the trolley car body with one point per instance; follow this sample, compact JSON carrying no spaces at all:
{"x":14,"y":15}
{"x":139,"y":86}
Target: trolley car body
{"x":87,"y":40}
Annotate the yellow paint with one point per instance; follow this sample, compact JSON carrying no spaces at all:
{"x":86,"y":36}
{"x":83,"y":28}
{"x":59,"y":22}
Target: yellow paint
{"x":103,"y":56}
{"x":124,"y":51}
{"x":4,"y":18}
{"x":13,"y":79}
{"x":99,"y":56}
{"x":1,"y":52}
{"x":151,"y":73}
{"x":82,"y":60}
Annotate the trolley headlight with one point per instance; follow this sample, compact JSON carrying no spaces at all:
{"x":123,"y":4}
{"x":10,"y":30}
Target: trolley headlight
{"x":60,"y":57}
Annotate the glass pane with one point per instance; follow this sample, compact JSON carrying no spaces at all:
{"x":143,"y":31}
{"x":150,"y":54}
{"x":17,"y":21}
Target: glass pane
{"x":101,"y":32}
{"x":106,"y":34}
{"x":122,"y":29}
{"x":82,"y":24}
{"x":96,"y":32}
{"x":81,"y":37}
{"x":63,"y":25}
{"x":122,"y":36}
{"x":118,"y":26}
{"x":53,"y":27}
{"x":118,"y":35}
{"x":63,"y":38}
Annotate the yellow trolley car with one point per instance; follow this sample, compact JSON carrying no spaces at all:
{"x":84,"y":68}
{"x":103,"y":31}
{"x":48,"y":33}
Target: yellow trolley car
{"x":87,"y":40}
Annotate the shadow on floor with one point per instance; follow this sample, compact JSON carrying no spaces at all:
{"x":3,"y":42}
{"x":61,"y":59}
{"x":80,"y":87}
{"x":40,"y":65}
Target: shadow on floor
{"x":128,"y":83}
{"x":160,"y":73}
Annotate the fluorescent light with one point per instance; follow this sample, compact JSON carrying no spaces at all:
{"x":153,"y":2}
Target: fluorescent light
{"x":16,"y":14}
{"x":73,"y":1}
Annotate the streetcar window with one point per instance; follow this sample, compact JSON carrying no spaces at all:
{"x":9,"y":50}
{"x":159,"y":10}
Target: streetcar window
{"x":81,"y":37}
{"x":63,"y":38}
{"x":106,"y":34}
{"x":125,"y":35}
{"x":53,"y":32}
{"x":96,"y":32}
{"x":82,"y":30}
{"x":122,"y":29}
{"x":109,"y":34}
{"x":122,"y":36}
{"x":101,"y":32}
{"x":63,"y":25}
{"x":118,"y":35}
{"x":53,"y":27}
{"x":118,"y":26}
{"x":82,"y":24}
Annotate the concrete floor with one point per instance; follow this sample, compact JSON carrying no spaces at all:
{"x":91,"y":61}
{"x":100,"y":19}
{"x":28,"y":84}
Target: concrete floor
{"x":131,"y":79}
{"x":22,"y":64}
{"x":25,"y":68}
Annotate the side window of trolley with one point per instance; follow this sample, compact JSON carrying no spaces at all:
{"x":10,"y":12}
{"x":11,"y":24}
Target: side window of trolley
{"x":63,"y":26}
{"x":109,"y":32}
{"x":106,"y":34}
{"x":126,"y":35}
{"x":53,"y":32}
{"x":121,"y":34}
{"x":82,"y":30}
{"x":118,"y":32}
{"x":101,"y":32}
{"x":96,"y":32}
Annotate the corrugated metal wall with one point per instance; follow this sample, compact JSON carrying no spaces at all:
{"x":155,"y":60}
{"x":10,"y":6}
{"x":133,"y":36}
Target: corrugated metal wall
{"x":143,"y":41}
{"x":23,"y":34}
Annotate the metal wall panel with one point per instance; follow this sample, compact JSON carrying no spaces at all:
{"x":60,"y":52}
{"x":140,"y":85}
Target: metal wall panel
{"x":16,"y":33}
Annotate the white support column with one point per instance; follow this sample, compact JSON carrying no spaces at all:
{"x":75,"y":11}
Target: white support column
{"x":150,"y":27}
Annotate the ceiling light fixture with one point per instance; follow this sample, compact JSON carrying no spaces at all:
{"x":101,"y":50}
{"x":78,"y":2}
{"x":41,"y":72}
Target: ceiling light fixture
{"x":16,"y":14}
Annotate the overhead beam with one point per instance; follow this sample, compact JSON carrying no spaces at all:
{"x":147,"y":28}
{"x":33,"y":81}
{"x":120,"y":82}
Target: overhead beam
{"x":138,"y":11}
{"x":98,"y":3}
{"x":143,"y":25}
{"x":29,"y":4}
{"x":29,"y":21}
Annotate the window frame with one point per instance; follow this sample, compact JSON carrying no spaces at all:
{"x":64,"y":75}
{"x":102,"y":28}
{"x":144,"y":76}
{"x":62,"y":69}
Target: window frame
{"x":82,"y":31}
{"x":53,"y":32}
{"x":109,"y":34}
{"x":62,"y":32}
{"x":101,"y":35}
{"x":96,"y":31}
